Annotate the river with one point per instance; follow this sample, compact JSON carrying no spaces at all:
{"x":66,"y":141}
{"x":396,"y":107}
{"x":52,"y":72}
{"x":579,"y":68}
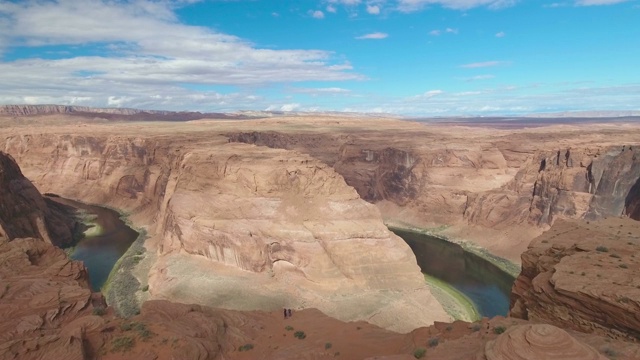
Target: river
{"x":106,"y":239}
{"x":485,"y":284}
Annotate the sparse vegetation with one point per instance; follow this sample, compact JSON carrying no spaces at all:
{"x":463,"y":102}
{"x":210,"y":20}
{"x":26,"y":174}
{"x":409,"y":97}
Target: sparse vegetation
{"x":602,"y":249}
{"x":499,"y":329}
{"x":433,"y":342}
{"x":449,"y":328}
{"x":610,"y":353}
{"x":300,"y":335}
{"x":583,"y":273}
{"x":327,"y":346}
{"x":145,"y":288}
{"x":99,"y":311}
{"x":245,"y":347}
{"x":624,"y":266}
{"x":615,"y":256}
{"x":475,"y":327}
{"x":419,"y":353}
{"x":122,"y":344}
{"x":288,"y":328}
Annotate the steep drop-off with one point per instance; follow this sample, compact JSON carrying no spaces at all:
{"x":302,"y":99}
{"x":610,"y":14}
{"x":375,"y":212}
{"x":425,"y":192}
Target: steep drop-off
{"x":493,"y":186}
{"x":25,"y":213}
{"x":281,"y":223}
{"x":583,"y":276}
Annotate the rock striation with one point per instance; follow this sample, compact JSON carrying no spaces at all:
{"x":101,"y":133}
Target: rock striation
{"x":499,"y":184}
{"x":25,"y":213}
{"x":540,"y":341}
{"x":582,"y":276}
{"x":220,"y":213}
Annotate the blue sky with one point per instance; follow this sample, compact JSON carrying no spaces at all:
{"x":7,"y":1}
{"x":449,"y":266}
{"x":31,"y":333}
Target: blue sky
{"x":409,"y":57}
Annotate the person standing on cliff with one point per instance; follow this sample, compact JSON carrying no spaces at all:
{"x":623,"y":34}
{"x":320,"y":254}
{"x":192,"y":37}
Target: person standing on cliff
{"x":285,"y":313}
{"x":288,"y":312}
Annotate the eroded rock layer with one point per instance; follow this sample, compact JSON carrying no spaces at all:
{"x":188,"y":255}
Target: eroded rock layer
{"x":583,"y":276}
{"x":25,"y":213}
{"x":282,"y":223}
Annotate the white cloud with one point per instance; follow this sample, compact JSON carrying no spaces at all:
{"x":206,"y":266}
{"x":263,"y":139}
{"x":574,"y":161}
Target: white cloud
{"x":373,"y":9}
{"x":285,"y":107}
{"x":415,"y":5}
{"x":346,"y":2}
{"x":598,"y":2}
{"x":501,"y":34}
{"x":435,"y":32}
{"x":451,"y":31}
{"x":483,"y":64}
{"x":330,"y":8}
{"x":143,"y":49}
{"x":373,"y":36}
{"x":317,"y":14}
{"x":321,"y":91}
{"x":480,"y":77}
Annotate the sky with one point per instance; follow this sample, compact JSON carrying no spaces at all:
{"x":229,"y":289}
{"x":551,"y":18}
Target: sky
{"x":406,"y":57}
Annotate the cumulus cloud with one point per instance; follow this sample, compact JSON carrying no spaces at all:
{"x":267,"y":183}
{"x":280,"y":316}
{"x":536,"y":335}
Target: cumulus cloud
{"x":501,"y":34}
{"x":598,"y":2}
{"x":373,"y":9}
{"x":415,"y":5}
{"x":483,"y":64}
{"x":373,"y":36}
{"x":479,"y":77}
{"x":330,"y":8}
{"x":140,"y":49}
{"x":317,"y":14}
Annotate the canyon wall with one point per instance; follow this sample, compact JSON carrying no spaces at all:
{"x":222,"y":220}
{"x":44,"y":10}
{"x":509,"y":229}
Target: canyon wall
{"x":283,"y":223}
{"x":583,"y":276}
{"x":25,"y":213}
{"x":486,"y":188}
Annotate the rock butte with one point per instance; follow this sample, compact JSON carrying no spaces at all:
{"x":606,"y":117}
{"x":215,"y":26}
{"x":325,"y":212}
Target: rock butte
{"x":199,"y":195}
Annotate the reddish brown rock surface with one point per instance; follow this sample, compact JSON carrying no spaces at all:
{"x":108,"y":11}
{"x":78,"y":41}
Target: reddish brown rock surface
{"x":583,"y":276}
{"x":25,"y":213}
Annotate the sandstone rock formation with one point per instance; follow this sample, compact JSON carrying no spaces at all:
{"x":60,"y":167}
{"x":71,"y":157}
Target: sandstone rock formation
{"x":540,"y":341}
{"x":481,"y":183}
{"x":283,"y":223}
{"x":24,"y":212}
{"x":583,"y":276}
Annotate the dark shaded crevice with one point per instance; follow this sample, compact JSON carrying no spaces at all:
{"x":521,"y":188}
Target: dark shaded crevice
{"x":632,"y":202}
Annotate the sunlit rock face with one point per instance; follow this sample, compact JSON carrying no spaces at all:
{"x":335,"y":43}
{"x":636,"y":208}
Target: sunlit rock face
{"x":283,"y":222}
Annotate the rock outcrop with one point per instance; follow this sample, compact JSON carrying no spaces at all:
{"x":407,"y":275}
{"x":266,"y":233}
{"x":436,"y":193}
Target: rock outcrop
{"x":583,"y":276}
{"x":219,"y":213}
{"x":25,"y":213}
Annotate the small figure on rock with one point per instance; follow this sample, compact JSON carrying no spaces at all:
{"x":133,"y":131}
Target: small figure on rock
{"x":285,"y":313}
{"x":288,"y":312}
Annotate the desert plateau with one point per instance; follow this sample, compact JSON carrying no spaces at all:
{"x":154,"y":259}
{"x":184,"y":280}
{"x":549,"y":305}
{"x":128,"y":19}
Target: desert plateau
{"x":323,"y":179}
{"x":227,"y":222}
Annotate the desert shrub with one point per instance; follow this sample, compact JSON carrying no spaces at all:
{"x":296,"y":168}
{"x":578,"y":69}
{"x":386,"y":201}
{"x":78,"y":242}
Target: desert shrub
{"x":300,"y":335}
{"x":615,"y":256}
{"x":99,"y":311}
{"x":583,"y":273}
{"x":602,"y":249}
{"x":145,"y":288}
{"x":433,"y":342}
{"x":449,"y":328}
{"x":126,"y":326}
{"x":610,"y":352}
{"x":419,"y":353}
{"x":245,"y":347}
{"x":123,"y":343}
{"x":499,"y":329}
{"x":475,"y":327}
{"x":327,"y":346}
{"x":624,"y":266}
{"x":288,"y":328}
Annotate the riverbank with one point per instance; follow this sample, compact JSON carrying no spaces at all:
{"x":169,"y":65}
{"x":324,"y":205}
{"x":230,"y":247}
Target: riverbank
{"x":501,"y":263}
{"x":455,"y":303}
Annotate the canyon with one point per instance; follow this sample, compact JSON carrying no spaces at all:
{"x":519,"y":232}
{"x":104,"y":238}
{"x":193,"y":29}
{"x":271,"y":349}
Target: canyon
{"x":263,"y":214}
